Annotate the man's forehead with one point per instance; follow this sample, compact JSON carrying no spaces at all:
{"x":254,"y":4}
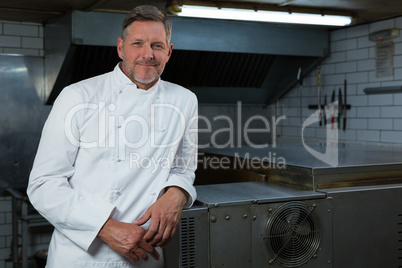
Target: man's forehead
{"x":147,"y":29}
{"x":149,"y":25}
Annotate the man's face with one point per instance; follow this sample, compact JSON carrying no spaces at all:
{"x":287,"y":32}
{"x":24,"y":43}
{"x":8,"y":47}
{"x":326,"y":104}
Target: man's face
{"x":145,"y":52}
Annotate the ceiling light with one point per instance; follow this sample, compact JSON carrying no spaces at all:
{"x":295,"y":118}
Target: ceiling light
{"x":262,"y":16}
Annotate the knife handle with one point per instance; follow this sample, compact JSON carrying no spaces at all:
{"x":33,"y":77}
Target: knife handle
{"x":344,"y":123}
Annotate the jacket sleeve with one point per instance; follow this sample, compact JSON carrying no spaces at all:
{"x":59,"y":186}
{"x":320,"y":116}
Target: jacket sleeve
{"x":76,"y":214}
{"x":182,"y":173}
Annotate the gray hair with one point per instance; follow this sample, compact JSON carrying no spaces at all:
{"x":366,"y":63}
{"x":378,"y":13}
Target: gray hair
{"x":147,"y":13}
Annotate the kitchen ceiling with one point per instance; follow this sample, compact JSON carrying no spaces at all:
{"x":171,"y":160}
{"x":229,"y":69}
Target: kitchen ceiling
{"x":43,"y":11}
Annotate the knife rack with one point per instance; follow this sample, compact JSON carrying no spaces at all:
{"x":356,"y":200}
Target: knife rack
{"x":315,"y":107}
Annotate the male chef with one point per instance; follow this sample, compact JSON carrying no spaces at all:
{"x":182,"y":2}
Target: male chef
{"x":116,"y":161}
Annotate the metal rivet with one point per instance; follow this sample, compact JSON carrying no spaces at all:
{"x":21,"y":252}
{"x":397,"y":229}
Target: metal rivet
{"x":254,"y":218}
{"x":245,"y":216}
{"x":270,"y":210}
{"x":227,"y":217}
{"x":213,"y":219}
{"x":216,"y":204}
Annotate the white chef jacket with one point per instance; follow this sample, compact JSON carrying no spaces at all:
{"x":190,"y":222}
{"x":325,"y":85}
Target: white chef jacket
{"x":109,"y":149}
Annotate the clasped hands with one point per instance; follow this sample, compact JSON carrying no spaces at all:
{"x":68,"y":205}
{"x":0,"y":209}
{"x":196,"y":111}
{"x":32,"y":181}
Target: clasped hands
{"x":134,"y":242}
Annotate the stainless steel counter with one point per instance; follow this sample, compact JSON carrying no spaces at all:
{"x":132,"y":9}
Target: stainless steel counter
{"x":243,"y":193}
{"x":293,"y":164}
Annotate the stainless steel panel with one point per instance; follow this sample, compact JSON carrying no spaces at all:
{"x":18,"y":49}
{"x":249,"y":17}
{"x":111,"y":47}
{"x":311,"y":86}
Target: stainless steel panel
{"x":57,"y":43}
{"x":251,"y":193}
{"x":367,"y":226}
{"x":189,"y":247}
{"x":22,"y":115}
{"x":230,"y":232}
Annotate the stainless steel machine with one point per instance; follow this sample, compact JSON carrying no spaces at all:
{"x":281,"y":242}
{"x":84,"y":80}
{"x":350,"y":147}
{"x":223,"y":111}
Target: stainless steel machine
{"x":308,"y":214}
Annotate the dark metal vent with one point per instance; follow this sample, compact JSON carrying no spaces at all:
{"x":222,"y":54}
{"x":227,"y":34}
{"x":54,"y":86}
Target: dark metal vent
{"x":186,"y":67}
{"x":293,"y":234}
{"x":217,"y":69}
{"x":187,"y":238}
{"x":93,"y":60}
{"x":399,"y":237}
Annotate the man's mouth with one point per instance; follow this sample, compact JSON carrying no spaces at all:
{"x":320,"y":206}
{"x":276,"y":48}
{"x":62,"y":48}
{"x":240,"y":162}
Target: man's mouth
{"x":148,"y":64}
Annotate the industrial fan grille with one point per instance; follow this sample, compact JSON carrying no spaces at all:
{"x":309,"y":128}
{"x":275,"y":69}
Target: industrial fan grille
{"x":293,"y":234}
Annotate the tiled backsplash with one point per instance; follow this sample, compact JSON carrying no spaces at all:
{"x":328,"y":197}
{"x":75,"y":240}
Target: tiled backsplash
{"x":372,"y":118}
{"x":21,"y":38}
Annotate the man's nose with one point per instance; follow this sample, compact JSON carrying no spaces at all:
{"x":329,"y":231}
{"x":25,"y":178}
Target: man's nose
{"x":147,"y":52}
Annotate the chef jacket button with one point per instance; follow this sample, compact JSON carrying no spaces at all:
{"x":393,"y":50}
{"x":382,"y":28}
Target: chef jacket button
{"x":120,"y":91}
{"x":118,"y":160}
{"x":119,"y":126}
{"x":112,"y":107}
{"x":163,"y":130}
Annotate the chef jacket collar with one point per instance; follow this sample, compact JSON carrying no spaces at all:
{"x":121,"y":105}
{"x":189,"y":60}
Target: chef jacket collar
{"x":124,"y":82}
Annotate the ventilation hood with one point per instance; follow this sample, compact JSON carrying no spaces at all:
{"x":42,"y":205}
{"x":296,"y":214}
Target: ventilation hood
{"x":221,"y":61}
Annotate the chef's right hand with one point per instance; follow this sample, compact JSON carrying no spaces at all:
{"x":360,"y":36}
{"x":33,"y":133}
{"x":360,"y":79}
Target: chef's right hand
{"x":127,"y":240}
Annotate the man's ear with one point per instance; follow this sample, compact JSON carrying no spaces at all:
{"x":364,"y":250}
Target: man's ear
{"x":170,"y":50}
{"x":120,"y":47}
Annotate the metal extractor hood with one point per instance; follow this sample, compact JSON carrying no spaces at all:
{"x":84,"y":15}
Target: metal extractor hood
{"x":221,"y":61}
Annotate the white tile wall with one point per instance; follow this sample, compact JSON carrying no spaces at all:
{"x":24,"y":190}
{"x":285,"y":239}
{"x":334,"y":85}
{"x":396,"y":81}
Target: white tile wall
{"x":380,"y":124}
{"x":365,"y":65}
{"x":5,"y":231}
{"x":382,"y":100}
{"x":353,"y":55}
{"x":368,"y":135}
{"x":397,"y":124}
{"x":391,"y":136}
{"x":372,"y":118}
{"x":20,"y":30}
{"x":21,"y":38}
{"x":10,"y":41}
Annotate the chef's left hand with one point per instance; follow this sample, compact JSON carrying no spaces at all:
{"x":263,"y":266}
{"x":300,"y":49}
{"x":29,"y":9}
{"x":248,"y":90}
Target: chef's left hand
{"x":165,"y":215}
